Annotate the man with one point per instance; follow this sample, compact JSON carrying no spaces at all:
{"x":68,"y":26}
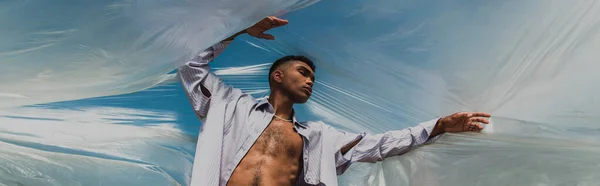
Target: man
{"x":245,"y":141}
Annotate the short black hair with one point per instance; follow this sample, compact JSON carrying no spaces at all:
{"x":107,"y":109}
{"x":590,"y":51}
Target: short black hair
{"x":286,"y":59}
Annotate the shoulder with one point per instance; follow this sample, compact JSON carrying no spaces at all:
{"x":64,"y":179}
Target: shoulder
{"x":312,"y":123}
{"x":240,"y":99}
{"x":317,"y":125}
{"x":328,"y":129}
{"x":247,"y":98}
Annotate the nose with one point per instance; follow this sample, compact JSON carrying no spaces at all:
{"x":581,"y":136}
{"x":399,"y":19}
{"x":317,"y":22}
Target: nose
{"x":309,"y":82}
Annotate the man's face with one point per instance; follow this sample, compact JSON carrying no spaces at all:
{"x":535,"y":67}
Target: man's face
{"x":297,"y":81}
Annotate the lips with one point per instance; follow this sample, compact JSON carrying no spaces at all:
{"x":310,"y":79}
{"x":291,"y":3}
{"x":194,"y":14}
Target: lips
{"x":309,"y":89}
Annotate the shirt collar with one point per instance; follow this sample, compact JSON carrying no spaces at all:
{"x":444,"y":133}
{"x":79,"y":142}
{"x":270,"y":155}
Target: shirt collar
{"x":264,"y":104}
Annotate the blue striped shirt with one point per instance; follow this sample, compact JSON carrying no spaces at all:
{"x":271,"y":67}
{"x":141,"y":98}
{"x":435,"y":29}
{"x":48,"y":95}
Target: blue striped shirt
{"x":233,"y":121}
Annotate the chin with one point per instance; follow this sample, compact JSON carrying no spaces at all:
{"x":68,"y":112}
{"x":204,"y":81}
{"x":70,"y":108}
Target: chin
{"x":301,"y":99}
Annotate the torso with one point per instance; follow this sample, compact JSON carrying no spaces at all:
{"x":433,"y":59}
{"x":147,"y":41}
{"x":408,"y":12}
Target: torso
{"x":274,"y":159}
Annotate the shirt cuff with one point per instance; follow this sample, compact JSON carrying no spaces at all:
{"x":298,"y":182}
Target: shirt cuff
{"x":343,"y":161}
{"x":425,"y":135}
{"x":221,"y":45}
{"x":218,"y":48}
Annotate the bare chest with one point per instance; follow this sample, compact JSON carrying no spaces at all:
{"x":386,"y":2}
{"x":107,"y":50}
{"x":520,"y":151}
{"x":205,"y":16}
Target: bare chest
{"x":274,"y":158}
{"x":279,"y":138}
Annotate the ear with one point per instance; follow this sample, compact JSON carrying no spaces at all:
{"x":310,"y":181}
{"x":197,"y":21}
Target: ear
{"x":278,"y":76}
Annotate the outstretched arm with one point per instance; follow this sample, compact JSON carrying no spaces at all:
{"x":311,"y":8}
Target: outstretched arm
{"x":201,"y":85}
{"x":371,"y":148}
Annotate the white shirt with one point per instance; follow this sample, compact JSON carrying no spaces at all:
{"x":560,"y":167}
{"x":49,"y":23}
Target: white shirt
{"x":233,"y":121}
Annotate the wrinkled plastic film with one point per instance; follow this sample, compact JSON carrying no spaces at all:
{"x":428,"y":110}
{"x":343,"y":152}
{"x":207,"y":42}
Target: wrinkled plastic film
{"x":386,"y":65}
{"x":57,"y":51}
{"x":381,"y":65}
{"x":92,"y":143}
{"x":61,"y":51}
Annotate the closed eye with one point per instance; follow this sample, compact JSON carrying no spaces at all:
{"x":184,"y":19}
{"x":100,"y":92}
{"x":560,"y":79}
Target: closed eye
{"x":306,"y":73}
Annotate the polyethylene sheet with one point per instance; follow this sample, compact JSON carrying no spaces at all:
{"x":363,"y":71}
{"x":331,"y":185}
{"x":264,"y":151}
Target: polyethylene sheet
{"x":381,"y":65}
{"x":384,"y":65}
{"x":56,"y":51}
{"x":136,"y":139}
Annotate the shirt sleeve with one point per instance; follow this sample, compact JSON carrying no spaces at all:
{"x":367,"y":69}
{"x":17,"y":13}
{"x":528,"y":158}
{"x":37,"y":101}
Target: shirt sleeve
{"x":373,"y":148}
{"x":195,"y":76}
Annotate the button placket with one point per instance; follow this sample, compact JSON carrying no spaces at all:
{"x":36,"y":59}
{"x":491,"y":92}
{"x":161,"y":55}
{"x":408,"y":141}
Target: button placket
{"x":305,"y":157}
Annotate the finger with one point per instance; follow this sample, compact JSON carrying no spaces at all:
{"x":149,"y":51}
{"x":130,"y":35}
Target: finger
{"x":479,"y":127}
{"x":277,"y":21}
{"x":475,"y":127}
{"x":479,"y":119}
{"x":481,"y":114}
{"x":266,"y":36}
{"x":472,"y":128}
{"x":467,"y":115}
{"x":461,"y":114}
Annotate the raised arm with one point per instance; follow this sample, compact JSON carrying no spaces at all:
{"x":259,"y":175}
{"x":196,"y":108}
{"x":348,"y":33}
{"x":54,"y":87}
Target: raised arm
{"x":201,"y":85}
{"x":371,"y":148}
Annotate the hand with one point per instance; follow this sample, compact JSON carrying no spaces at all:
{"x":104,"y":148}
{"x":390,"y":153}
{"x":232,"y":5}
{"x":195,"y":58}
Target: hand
{"x":462,"y":122}
{"x":258,"y":29}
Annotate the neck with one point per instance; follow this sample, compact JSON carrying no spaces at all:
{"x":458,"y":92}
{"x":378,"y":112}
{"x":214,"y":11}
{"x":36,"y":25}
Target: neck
{"x":282,"y":104}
